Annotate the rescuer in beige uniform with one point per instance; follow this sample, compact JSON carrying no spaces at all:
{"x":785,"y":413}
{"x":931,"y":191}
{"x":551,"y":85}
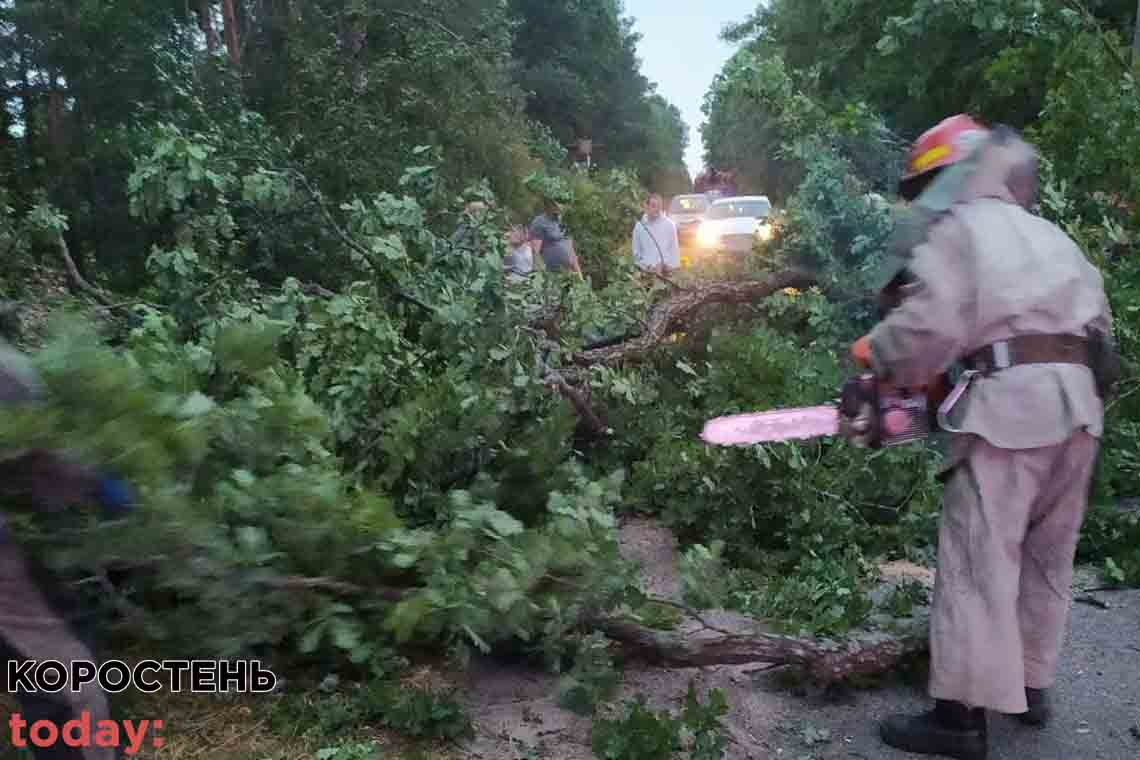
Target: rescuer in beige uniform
{"x":1010,"y":297}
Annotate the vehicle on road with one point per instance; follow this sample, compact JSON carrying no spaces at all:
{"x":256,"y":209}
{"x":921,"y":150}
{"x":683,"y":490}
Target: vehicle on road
{"x":687,"y":211}
{"x":734,"y":224}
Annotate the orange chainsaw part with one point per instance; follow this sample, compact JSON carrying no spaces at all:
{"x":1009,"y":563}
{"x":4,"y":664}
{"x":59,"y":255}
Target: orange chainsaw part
{"x":861,"y":351}
{"x":937,"y":390}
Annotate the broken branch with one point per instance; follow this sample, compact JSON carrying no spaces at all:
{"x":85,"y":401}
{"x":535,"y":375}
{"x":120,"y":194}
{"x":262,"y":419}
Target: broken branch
{"x":826,"y":661}
{"x":77,"y":279}
{"x":682,"y":308}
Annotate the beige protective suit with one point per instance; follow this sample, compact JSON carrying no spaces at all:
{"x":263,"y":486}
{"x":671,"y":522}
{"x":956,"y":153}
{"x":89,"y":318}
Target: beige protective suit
{"x":1018,"y":474}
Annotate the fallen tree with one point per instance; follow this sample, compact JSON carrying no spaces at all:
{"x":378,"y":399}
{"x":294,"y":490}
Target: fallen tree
{"x":703,"y":639}
{"x":678,"y":313}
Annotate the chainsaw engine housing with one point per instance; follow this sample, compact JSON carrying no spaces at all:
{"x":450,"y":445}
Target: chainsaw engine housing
{"x":883,"y":417}
{"x":904,"y":417}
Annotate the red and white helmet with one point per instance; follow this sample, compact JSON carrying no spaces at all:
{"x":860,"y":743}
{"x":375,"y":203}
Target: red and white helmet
{"x":946,"y":143}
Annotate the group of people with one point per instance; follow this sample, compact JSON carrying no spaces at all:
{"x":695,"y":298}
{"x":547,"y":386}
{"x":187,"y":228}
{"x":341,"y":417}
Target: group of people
{"x":544,"y":237}
{"x":548,"y":239}
{"x":655,"y":244}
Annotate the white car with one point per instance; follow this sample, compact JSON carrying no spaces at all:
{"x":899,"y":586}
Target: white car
{"x":734,"y":224}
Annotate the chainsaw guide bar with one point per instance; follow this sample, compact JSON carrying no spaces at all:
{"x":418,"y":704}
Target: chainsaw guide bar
{"x":779,"y":425}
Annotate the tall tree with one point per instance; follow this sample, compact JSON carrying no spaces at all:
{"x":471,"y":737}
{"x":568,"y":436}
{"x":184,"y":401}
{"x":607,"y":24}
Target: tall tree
{"x":578,"y":63}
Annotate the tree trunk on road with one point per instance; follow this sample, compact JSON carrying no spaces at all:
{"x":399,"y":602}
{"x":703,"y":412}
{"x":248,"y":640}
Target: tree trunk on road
{"x":827,"y":662}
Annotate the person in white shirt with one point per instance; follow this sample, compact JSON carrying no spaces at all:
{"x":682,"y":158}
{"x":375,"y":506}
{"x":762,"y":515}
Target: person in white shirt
{"x":519,"y":262}
{"x":655,"y":244}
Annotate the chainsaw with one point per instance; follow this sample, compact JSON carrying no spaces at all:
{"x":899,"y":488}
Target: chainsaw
{"x":869,"y":413}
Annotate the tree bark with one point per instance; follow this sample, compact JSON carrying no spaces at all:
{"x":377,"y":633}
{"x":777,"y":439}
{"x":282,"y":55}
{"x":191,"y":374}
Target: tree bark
{"x":233,"y":44}
{"x":56,"y":119}
{"x":826,"y":661}
{"x":206,"y":24}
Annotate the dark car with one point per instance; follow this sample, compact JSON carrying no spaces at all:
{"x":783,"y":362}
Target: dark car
{"x":687,"y":211}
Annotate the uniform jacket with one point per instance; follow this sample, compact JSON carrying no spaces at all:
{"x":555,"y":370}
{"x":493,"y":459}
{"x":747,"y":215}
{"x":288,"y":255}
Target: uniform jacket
{"x":989,"y":270}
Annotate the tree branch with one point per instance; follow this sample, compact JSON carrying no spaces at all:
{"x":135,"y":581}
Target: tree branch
{"x":555,"y":379}
{"x":316,"y":289}
{"x":77,"y":278}
{"x":433,"y":22}
{"x":343,"y":588}
{"x":1092,"y":22}
{"x":826,"y":661}
{"x":682,"y":308}
{"x":347,"y":239}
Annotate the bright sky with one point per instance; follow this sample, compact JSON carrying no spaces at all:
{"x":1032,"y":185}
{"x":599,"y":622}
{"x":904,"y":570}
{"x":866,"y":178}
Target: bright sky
{"x":681,"y":51}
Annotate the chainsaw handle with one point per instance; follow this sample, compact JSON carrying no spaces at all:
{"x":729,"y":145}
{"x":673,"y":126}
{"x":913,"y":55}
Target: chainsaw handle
{"x":937,"y":389}
{"x":859,"y":411}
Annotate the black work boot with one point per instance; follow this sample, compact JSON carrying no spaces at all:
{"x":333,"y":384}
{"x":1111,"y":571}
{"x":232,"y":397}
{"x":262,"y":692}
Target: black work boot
{"x":950,"y":729}
{"x":1039,"y":710}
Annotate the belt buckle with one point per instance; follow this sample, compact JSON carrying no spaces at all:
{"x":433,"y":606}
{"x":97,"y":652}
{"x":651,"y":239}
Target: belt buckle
{"x":1002,"y":359}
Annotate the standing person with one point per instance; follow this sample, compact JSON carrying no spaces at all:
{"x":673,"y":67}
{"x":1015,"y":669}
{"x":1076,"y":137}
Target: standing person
{"x":655,"y":244}
{"x":549,"y":241}
{"x":519,"y":262}
{"x":467,"y":236}
{"x":31,"y":628}
{"x":1010,"y":296}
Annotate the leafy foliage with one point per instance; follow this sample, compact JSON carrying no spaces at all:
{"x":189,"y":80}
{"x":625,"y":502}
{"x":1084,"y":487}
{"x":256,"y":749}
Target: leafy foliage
{"x":643,"y":733}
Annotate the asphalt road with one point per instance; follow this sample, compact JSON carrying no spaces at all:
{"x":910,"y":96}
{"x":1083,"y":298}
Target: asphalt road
{"x":1096,"y":702}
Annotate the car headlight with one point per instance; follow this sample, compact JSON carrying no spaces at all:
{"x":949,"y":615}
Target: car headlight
{"x":764,"y":232}
{"x":707,"y":236}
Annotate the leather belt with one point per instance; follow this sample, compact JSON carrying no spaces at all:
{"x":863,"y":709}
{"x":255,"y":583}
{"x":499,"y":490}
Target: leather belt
{"x":1030,"y":349}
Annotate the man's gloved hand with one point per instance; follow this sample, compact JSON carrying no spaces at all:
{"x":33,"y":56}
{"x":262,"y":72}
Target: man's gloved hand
{"x":115,"y":495}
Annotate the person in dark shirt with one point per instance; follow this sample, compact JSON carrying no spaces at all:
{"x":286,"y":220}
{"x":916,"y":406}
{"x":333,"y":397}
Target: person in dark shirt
{"x":549,"y":240}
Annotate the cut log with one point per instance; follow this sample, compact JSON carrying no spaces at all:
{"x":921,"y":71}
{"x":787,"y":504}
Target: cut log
{"x":825,"y":661}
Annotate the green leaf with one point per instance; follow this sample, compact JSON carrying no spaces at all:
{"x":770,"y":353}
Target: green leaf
{"x":312,"y":639}
{"x":503,"y":524}
{"x":345,"y":635}
{"x":196,"y":405}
